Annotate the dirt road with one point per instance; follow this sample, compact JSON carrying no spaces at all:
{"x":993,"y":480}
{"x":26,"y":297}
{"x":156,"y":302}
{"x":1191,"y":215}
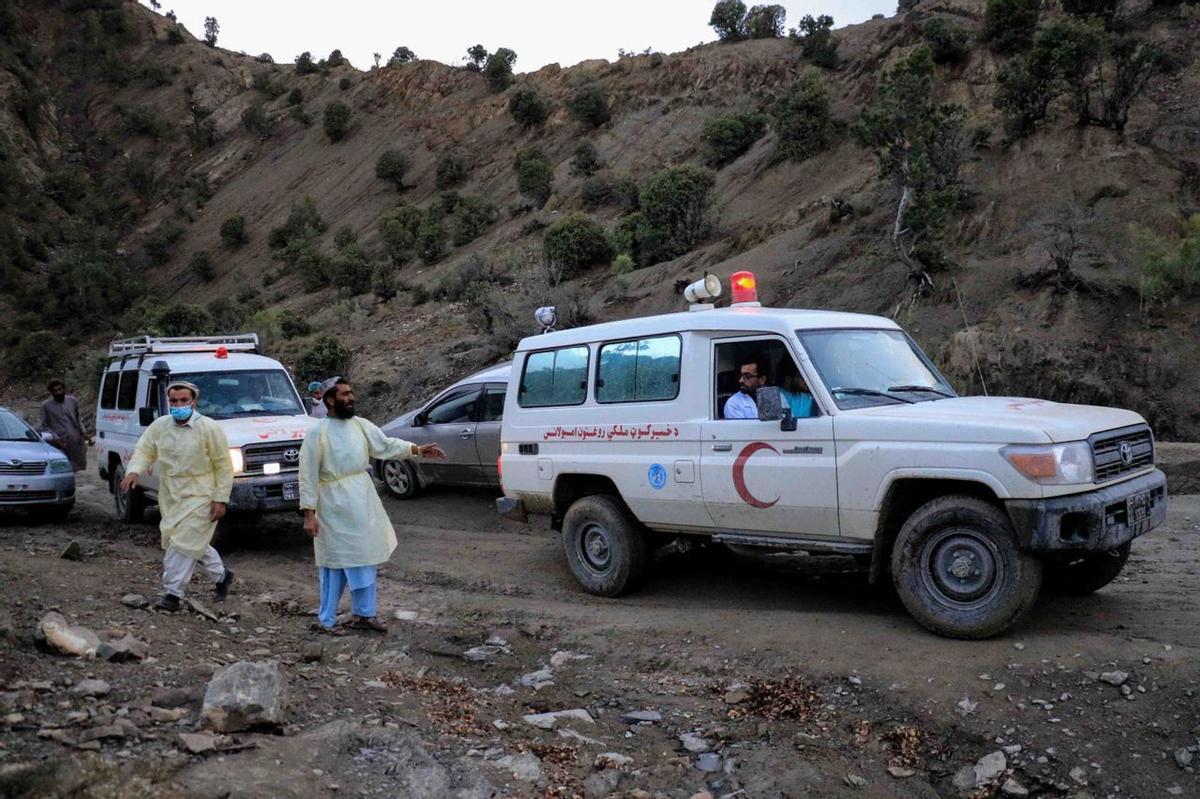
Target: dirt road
{"x":773,"y":676}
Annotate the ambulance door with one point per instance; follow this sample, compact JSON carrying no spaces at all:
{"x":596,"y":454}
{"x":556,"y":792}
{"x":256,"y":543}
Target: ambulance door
{"x":754,"y":476}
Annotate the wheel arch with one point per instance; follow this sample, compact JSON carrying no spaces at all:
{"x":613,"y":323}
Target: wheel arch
{"x":570,"y":487}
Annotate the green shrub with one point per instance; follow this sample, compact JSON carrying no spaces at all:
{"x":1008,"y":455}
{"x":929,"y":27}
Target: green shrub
{"x":159,"y":243}
{"x":225,"y":315}
{"x":233,"y":232}
{"x":728,"y":19}
{"x":326,"y":358}
{"x":267,"y":82}
{"x":309,"y":263}
{"x":335,"y":59}
{"x":392,"y":165}
{"x":949,"y":42}
{"x":597,"y":191}
{"x":1169,"y":269}
{"x":451,"y":171}
{"x":527,"y":107}
{"x":431,"y":238}
{"x":801,"y":118}
{"x":675,"y":204}
{"x":498,"y":70}
{"x":471,"y":217}
{"x":141,"y":176}
{"x":1010,"y":24}
{"x":398,"y":229}
{"x":401,"y":55}
{"x":300,"y":115}
{"x":765,"y":22}
{"x":350,"y":271}
{"x":622,"y":265}
{"x":36,"y":353}
{"x":1105,"y":10}
{"x":295,"y":96}
{"x":202,"y":266}
{"x":175,"y":34}
{"x":586,"y":161}
{"x":816,"y":40}
{"x":344,"y":83}
{"x":589,"y":105}
{"x":303,"y":223}
{"x":256,"y":120}
{"x":141,"y":120}
{"x":385,"y":283}
{"x":264,"y":58}
{"x":336,"y":121}
{"x":535,"y":174}
{"x":728,"y":136}
{"x":344,"y":237}
{"x":250,"y":299}
{"x":305,"y":64}
{"x":183,"y":320}
{"x":574,"y":244}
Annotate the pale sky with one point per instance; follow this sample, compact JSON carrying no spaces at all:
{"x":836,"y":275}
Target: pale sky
{"x":540,"y":31}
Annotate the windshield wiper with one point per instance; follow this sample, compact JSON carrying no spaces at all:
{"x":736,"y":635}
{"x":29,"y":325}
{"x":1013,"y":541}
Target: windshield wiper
{"x":870,"y":392}
{"x":930,"y":389}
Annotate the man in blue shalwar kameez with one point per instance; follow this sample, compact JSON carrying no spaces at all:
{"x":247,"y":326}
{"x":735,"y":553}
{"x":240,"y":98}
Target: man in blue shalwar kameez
{"x":351,"y":533}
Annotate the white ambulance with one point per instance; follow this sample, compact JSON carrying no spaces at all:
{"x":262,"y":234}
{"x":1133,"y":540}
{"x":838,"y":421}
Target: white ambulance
{"x":619,"y":433}
{"x":251,"y":396}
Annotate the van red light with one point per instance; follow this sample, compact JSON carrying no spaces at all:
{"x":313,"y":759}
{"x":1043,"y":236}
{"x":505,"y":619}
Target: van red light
{"x":745,"y":287}
{"x":222,"y":352}
{"x":500,"y":471}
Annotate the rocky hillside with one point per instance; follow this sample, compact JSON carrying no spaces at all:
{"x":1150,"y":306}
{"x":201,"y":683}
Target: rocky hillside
{"x":127,"y":146}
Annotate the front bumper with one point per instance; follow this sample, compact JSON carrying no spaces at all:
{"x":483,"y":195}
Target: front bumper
{"x":263,"y":494}
{"x":19,"y":491}
{"x":1095,"y":521}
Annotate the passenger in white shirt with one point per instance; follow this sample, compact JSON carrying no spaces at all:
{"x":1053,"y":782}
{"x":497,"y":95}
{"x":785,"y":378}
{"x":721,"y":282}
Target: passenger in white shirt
{"x":751,"y":377}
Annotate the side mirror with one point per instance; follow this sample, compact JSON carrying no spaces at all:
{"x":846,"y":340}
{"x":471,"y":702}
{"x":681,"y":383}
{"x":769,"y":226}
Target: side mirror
{"x":48,"y":437}
{"x":419,"y":420}
{"x":770,"y":404}
{"x":145,"y":416}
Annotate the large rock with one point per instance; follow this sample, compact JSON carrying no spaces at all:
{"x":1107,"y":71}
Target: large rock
{"x":125,"y":648}
{"x":61,"y":636}
{"x":988,"y":768}
{"x":548,"y":721}
{"x":245,"y":696}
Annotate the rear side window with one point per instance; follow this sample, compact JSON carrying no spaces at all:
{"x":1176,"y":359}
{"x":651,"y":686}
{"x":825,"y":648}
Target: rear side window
{"x":493,"y":404}
{"x":127,"y":393}
{"x":554,"y":377}
{"x":108,"y":391}
{"x":644,"y":370}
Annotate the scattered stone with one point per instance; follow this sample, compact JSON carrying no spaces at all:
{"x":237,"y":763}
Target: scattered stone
{"x":1013,"y":788}
{"x":736,"y":694}
{"x":525,"y":766}
{"x":405,"y":615}
{"x":709,"y":761}
{"x":537,"y":679}
{"x":244,"y":696}
{"x":562,"y":657}
{"x":1183,"y":758}
{"x":965,"y":707}
{"x":13,"y":719}
{"x":1175,"y":790}
{"x":641,"y":717}
{"x":123,"y":650}
{"x":548,"y":721}
{"x":91,"y":688}
{"x":501,"y":724}
{"x":566,"y":732}
{"x":72,"y":551}
{"x":312,"y":652}
{"x":986,"y":769}
{"x":201,"y":609}
{"x":482,"y":654}
{"x":611,"y":760}
{"x":900,"y":773}
{"x":1018,"y":646}
{"x":176,"y":697}
{"x":1079,"y":775}
{"x":198,"y":742}
{"x":1012,"y":749}
{"x":854,"y":781}
{"x":135,"y":601}
{"x":701,"y":795}
{"x":694,"y":743}
{"x":102,"y":732}
{"x":62,"y":637}
{"x":165,"y":716}
{"x":1114,"y":677}
{"x":496,"y":640}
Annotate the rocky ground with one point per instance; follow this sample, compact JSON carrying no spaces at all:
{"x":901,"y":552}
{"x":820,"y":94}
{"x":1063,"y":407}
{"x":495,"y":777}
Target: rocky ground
{"x":774,"y":676}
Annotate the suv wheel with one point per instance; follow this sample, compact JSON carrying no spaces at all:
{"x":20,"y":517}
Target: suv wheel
{"x":958,"y":570}
{"x":400,"y":479}
{"x":605,"y":548}
{"x":1086,"y":573}
{"x":129,"y":505}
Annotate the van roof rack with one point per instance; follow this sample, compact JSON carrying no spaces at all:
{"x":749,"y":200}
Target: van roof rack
{"x":144,"y":345}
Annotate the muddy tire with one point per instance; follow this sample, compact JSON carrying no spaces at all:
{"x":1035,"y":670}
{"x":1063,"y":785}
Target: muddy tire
{"x":1085,"y":574}
{"x":958,"y":571}
{"x":400,"y":479}
{"x":605,"y":548}
{"x":130,"y":506}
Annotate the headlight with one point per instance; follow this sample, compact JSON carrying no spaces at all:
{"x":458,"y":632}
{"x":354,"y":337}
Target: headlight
{"x":60,"y":466}
{"x":1052,"y":464}
{"x":239,"y":463}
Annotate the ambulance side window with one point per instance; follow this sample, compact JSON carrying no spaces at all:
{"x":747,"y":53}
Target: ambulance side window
{"x":554,"y":377}
{"x":127,"y":393}
{"x":645,"y":370}
{"x":108,"y":392}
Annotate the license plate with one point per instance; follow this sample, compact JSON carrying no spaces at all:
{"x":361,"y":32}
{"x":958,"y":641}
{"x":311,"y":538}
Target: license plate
{"x":291,"y":491}
{"x":1138,"y":508}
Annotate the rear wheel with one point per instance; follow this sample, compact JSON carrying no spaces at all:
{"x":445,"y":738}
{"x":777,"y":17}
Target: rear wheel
{"x":605,"y":548}
{"x":958,"y":570}
{"x":130,"y":506}
{"x":400,"y":479}
{"x":1085,"y":574}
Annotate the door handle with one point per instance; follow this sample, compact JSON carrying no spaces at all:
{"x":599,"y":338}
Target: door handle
{"x":466,"y":433}
{"x":722,"y":447}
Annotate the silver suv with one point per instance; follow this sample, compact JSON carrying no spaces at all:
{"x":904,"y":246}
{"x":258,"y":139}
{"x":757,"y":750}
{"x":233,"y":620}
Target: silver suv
{"x":465,"y":420}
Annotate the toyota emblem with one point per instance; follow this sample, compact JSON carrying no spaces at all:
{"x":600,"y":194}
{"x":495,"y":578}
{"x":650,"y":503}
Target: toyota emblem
{"x":1126,"y":450}
{"x":16,"y":462}
{"x":291,"y":455}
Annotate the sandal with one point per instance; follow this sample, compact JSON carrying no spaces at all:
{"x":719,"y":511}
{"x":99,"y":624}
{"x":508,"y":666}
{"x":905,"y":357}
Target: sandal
{"x":369,"y":624}
{"x":317,"y":627}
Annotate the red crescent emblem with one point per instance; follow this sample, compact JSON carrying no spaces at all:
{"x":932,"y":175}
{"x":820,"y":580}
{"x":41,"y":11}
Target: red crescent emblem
{"x":739,"y":474}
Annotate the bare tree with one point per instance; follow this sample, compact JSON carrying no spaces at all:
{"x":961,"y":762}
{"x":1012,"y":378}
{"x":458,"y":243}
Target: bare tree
{"x":211,"y":29}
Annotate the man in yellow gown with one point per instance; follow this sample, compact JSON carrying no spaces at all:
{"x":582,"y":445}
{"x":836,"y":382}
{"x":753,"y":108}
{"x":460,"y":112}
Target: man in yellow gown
{"x":195,"y":477}
{"x":351,"y":533}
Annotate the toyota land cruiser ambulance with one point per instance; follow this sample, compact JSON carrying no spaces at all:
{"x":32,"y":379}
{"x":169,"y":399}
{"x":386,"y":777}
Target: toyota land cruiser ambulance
{"x":617,"y":432}
{"x":251,"y":396}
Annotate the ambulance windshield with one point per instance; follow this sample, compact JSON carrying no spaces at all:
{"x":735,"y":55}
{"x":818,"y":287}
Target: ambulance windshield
{"x":864,"y":368}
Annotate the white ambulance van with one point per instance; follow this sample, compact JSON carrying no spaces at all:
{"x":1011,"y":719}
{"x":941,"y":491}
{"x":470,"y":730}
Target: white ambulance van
{"x":619,"y":433}
{"x":251,"y":396}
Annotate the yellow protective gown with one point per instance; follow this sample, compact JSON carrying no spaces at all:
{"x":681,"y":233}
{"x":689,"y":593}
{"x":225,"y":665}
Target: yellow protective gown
{"x":354,"y":529}
{"x":194,"y":470}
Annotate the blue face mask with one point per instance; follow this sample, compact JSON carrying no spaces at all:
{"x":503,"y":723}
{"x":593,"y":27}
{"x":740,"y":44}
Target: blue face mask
{"x":182,"y":414}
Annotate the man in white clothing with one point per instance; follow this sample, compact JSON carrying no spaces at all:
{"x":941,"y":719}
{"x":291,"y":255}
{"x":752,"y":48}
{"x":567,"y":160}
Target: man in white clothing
{"x":751,"y":377}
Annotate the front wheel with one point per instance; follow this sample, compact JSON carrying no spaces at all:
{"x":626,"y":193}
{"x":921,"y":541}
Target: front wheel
{"x":605,"y":548}
{"x":958,"y":570}
{"x":400,"y":479}
{"x":130,"y":506}
{"x":1086,"y":574}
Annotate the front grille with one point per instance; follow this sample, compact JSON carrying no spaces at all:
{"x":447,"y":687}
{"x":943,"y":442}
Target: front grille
{"x":26,"y":467}
{"x":256,"y":455}
{"x":1122,"y":451}
{"x":27,"y":496}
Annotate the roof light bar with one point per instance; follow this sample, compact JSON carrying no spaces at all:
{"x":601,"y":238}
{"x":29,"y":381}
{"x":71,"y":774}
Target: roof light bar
{"x":744,"y":289}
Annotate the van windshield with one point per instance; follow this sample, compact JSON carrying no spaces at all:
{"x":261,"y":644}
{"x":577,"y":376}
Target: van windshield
{"x":252,"y":392}
{"x":864,"y":368}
